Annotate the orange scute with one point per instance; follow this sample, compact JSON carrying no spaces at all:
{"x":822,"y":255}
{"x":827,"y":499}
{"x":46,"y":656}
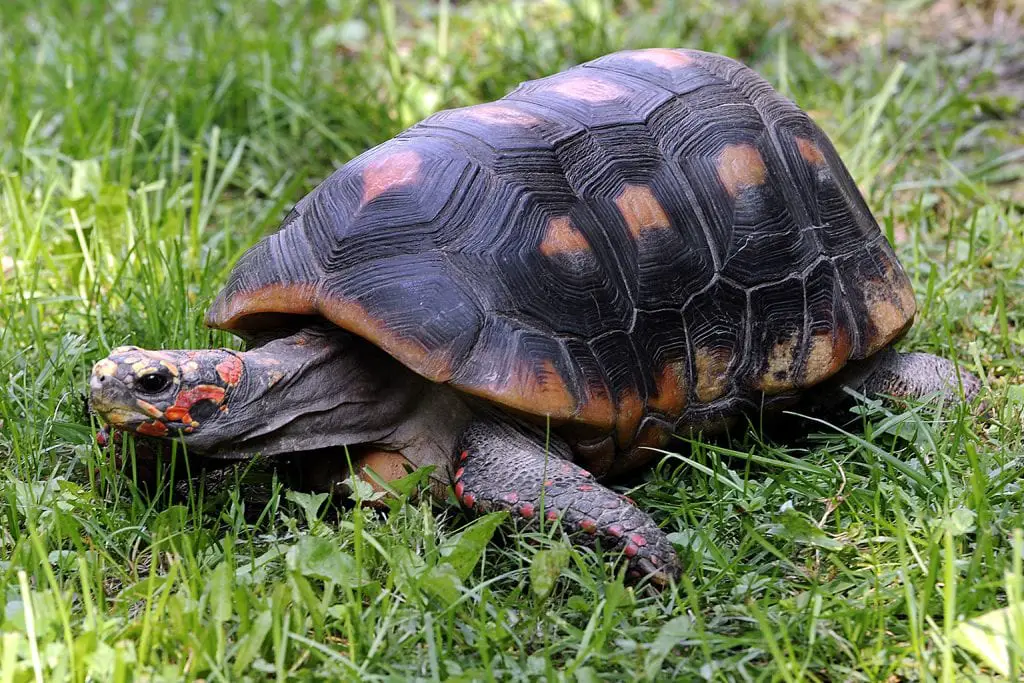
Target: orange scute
{"x":827,"y":354}
{"x":740,"y":167}
{"x":597,"y":408}
{"x":641,"y":210}
{"x":630,"y":413}
{"x":778,"y":376}
{"x":671,"y":383}
{"x":394,"y":170}
{"x":810,"y":152}
{"x":712,"y":380}
{"x":585,"y":88}
{"x":660,"y":56}
{"x":562,"y":238}
{"x":887,"y":322}
{"x":891,"y":307}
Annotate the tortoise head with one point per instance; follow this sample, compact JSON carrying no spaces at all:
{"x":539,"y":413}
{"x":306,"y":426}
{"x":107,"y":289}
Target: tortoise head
{"x":164,"y":393}
{"x":317,"y":388}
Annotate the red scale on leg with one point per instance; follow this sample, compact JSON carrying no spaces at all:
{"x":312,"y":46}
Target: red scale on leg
{"x":615,"y":530}
{"x":526,"y":510}
{"x":552,"y":515}
{"x":631,"y":550}
{"x":463,"y":455}
{"x":459,"y":487}
{"x":511,"y":497}
{"x":589,"y":525}
{"x":459,"y":472}
{"x":468,"y":500}
{"x":584,"y":487}
{"x":638,"y":539}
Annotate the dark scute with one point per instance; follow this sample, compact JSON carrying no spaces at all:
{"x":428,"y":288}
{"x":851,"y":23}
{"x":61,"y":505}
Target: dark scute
{"x":587,"y":372}
{"x":717,"y":319}
{"x":580,"y":295}
{"x":416,"y":297}
{"x":826,"y":305}
{"x":845,"y":221}
{"x":767,"y":243}
{"x":777,"y":316}
{"x":661,"y":336}
{"x":692,"y":135}
{"x":597,"y":164}
{"x":282,"y":258}
{"x":751,"y":87}
{"x":853,"y":271}
{"x":626,"y":368}
{"x":508,"y":352}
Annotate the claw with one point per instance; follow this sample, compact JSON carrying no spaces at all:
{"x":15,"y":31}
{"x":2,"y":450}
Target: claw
{"x":659,"y":576}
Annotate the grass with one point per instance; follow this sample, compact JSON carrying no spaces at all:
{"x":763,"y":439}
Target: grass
{"x":145,"y":144}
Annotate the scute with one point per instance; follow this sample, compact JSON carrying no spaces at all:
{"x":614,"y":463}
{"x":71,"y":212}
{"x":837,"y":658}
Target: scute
{"x":655,"y":237}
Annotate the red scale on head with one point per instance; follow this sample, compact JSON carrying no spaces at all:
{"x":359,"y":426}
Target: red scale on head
{"x":154,"y":428}
{"x":230,"y":370}
{"x":187,"y":398}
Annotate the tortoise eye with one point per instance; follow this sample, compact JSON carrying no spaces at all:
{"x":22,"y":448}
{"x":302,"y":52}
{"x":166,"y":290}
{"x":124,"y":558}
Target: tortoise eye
{"x":154,"y":382}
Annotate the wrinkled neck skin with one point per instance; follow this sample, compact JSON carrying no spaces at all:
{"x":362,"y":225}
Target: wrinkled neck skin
{"x":321,"y":389}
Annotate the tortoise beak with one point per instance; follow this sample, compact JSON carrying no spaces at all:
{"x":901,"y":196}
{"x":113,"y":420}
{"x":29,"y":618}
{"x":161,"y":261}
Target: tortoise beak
{"x":107,"y":396}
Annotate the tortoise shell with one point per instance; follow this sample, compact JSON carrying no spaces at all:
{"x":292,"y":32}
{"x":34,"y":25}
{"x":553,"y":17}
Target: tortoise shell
{"x":646,"y":242}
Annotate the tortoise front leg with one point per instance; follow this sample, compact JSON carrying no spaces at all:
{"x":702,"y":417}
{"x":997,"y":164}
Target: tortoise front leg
{"x":503,"y":466}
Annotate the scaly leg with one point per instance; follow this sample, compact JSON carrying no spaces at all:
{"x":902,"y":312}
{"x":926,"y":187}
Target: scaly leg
{"x":503,"y":466}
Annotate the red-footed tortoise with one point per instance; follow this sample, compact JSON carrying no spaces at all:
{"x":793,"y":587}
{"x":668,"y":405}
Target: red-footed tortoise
{"x":531,"y":292}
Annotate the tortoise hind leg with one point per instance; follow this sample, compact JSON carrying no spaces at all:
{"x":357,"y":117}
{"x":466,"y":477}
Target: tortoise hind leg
{"x":917,"y":376}
{"x":506,"y":466}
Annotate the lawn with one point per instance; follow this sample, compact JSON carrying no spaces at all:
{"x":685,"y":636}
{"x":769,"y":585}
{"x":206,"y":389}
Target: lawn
{"x":144,"y":145}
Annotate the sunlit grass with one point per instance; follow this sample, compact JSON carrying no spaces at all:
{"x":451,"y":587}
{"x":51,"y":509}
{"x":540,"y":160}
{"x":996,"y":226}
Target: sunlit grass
{"x":146,"y":144}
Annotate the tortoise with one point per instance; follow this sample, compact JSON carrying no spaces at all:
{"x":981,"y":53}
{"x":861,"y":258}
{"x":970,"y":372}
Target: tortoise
{"x":536,"y":294}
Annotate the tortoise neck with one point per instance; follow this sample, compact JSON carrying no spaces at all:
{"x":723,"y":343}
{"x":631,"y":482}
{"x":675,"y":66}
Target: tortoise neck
{"x":312,"y":390}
